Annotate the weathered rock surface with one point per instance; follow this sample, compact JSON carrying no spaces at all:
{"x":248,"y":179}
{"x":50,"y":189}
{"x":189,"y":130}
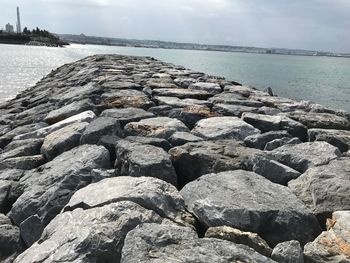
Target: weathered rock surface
{"x":135,"y":159}
{"x":161,"y":123}
{"x":239,"y":237}
{"x":325,"y":189}
{"x":303,"y":156}
{"x":288,"y":252}
{"x":193,"y":160}
{"x":332,"y":245}
{"x":224,"y":128}
{"x":47,"y":189}
{"x":255,"y":204}
{"x":162,"y":243}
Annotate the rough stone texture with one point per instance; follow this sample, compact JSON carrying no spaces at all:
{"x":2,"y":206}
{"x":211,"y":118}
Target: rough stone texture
{"x":62,"y":140}
{"x":22,"y":148}
{"x":326,"y":188}
{"x":93,"y":235}
{"x":180,"y":138}
{"x":126,"y":98}
{"x":303,"y":156}
{"x":233,"y":110}
{"x":288,"y":252}
{"x":127,"y":115}
{"x":135,"y":159}
{"x":160,"y":127}
{"x":338,"y":138}
{"x":223,"y":128}
{"x":150,"y":193}
{"x":332,"y":245}
{"x":162,"y":243}
{"x":193,"y":160}
{"x":162,"y":143}
{"x":239,"y":237}
{"x":274,"y":144}
{"x":212,"y":88}
{"x":255,"y":205}
{"x":10,"y":241}
{"x":47,"y":189}
{"x":260,"y":140}
{"x":22,"y":163}
{"x":98,"y":128}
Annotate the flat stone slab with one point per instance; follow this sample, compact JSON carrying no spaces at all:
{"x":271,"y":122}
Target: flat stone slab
{"x":179,"y":103}
{"x":127,"y":98}
{"x":247,"y":201}
{"x":163,"y":243}
{"x":326,"y":188}
{"x":224,"y":128}
{"x":160,"y":127}
{"x":212,"y":88}
{"x":126,"y":115}
{"x":303,"y":156}
{"x":338,"y":138}
{"x":182,"y":93}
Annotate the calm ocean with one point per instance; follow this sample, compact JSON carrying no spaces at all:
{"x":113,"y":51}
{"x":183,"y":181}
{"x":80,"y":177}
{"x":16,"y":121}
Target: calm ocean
{"x":320,"y":79}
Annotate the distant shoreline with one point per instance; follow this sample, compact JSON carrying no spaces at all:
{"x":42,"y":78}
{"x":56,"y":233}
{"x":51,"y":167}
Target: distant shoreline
{"x":20,"y":39}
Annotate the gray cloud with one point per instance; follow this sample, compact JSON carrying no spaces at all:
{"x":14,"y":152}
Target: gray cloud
{"x":308,"y":24}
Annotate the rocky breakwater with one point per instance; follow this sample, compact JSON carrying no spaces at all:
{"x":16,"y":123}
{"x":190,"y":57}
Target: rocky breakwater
{"x":129,"y":159}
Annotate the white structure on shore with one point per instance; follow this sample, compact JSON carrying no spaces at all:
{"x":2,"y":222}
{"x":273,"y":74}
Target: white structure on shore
{"x":19,"y":30}
{"x":9,"y":28}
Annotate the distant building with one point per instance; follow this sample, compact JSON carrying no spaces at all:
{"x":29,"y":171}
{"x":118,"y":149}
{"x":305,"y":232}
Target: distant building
{"x":19,"y":29}
{"x":9,"y":28}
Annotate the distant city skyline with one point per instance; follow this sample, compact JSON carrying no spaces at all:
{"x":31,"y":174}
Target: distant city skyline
{"x":300,"y":24}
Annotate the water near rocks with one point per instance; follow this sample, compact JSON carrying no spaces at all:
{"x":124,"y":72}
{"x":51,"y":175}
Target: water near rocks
{"x":321,"y":79}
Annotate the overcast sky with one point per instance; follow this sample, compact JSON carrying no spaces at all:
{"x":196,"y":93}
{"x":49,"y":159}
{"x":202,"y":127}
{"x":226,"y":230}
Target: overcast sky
{"x":307,"y":24}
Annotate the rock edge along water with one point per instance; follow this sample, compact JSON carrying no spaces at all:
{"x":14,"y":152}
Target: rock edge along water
{"x":129,"y":159}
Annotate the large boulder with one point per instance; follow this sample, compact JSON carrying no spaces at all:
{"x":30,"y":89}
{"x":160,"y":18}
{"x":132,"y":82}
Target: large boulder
{"x":126,"y":98}
{"x":260,"y":140}
{"x":22,"y":148}
{"x":224,"y":128}
{"x":338,"y":138}
{"x":62,"y":140}
{"x":92,"y":235}
{"x":47,"y":189}
{"x":135,"y":159}
{"x":182,"y":93}
{"x":326,"y":188}
{"x":288,"y":252}
{"x":303,"y":156}
{"x":332,"y":245}
{"x":193,"y":160}
{"x":165,"y":243}
{"x":158,"y":142}
{"x":160,"y":127}
{"x":126,"y":115}
{"x":212,"y":88}
{"x":150,"y":193}
{"x":249,"y":202}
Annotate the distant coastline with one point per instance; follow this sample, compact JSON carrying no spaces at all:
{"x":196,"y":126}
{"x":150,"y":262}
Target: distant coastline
{"x":32,"y":40}
{"x":93,"y":40}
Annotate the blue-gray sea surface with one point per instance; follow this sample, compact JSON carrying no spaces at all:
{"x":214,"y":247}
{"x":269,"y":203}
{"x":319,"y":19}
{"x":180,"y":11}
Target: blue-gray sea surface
{"x":324,"y":80}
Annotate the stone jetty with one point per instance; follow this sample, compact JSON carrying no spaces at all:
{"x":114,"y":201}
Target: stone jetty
{"x":129,"y":159}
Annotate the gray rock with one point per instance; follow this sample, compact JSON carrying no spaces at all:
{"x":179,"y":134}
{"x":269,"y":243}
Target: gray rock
{"x":274,"y":171}
{"x":179,"y":103}
{"x":249,"y":202}
{"x":267,"y":123}
{"x":237,"y":236}
{"x":86,"y":116}
{"x":101,"y":174}
{"x":148,"y":192}
{"x":260,"y":140}
{"x":212,"y":88}
{"x":224,"y":128}
{"x":22,"y":148}
{"x":338,"y":138}
{"x":47,"y":189}
{"x":332,"y":245}
{"x":288,"y":252}
{"x":190,"y":115}
{"x":163,"y":243}
{"x":135,"y":159}
{"x":62,"y":140}
{"x":184,"y":82}
{"x":160,"y":127}
{"x":180,"y":138}
{"x":10,"y":240}
{"x":320,"y":120}
{"x":233,"y":110}
{"x":93,"y":235}
{"x":234,"y":99}
{"x":98,"y":128}
{"x":126,"y":99}
{"x":121,"y":85}
{"x":325,"y":189}
{"x":162,"y":143}
{"x":303,"y":156}
{"x":69,"y":110}
{"x":22,"y":162}
{"x":11,"y":174}
{"x":126,"y":115}
{"x":182,"y":93}
{"x":193,"y":160}
{"x":274,"y":144}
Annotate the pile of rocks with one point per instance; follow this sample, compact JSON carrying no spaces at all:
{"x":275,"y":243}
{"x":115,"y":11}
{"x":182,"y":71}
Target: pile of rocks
{"x":129,"y":159}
